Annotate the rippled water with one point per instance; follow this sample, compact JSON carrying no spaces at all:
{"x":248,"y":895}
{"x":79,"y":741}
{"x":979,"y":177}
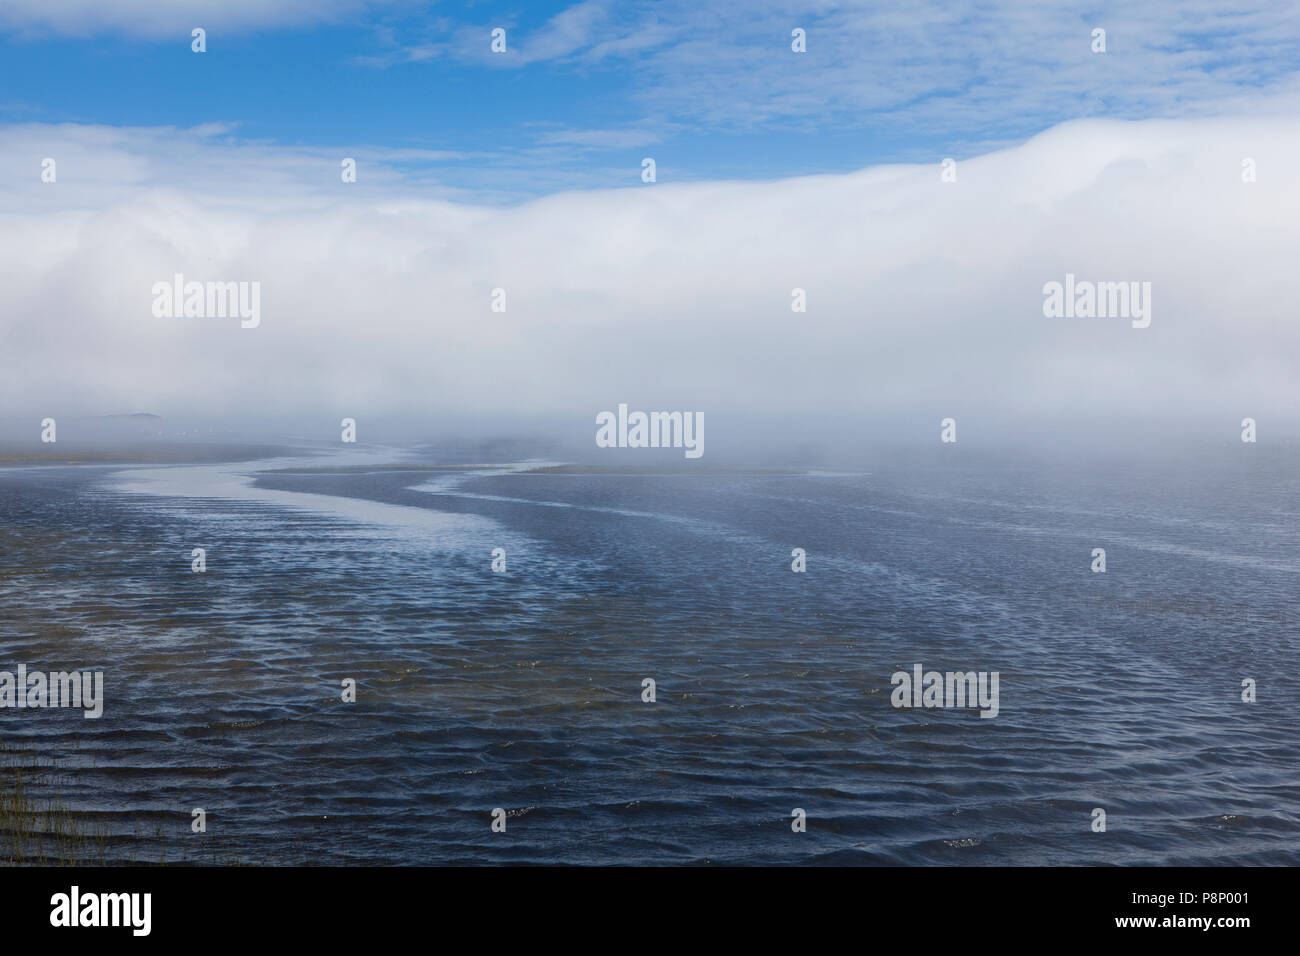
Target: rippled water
{"x":522,"y":690}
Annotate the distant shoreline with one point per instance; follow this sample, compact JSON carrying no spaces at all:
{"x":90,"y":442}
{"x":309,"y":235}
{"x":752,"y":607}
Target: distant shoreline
{"x":21,"y":454}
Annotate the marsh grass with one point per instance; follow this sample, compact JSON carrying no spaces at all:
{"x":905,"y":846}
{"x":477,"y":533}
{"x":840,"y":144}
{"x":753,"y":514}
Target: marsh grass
{"x":39,"y":830}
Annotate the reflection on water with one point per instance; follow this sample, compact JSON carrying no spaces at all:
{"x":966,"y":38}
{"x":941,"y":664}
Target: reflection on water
{"x":522,"y":690}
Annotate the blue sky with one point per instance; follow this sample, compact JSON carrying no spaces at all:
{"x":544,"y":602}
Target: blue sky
{"x":587,"y":90}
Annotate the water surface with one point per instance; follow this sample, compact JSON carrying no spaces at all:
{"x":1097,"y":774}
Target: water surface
{"x":522,"y":690}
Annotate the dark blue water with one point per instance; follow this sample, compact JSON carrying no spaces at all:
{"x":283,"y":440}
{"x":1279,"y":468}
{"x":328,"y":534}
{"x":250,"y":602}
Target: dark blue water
{"x":522,"y":690}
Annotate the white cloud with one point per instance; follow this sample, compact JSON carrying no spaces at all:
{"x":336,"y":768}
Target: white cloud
{"x":154,"y":19}
{"x":966,"y":69}
{"x":969,"y":70}
{"x":924,"y":298}
{"x":599,"y":138}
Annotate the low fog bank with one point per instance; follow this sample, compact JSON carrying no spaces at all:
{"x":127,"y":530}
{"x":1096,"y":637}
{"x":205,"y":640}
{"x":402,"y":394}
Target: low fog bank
{"x":728,"y":440}
{"x":922,"y":298}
